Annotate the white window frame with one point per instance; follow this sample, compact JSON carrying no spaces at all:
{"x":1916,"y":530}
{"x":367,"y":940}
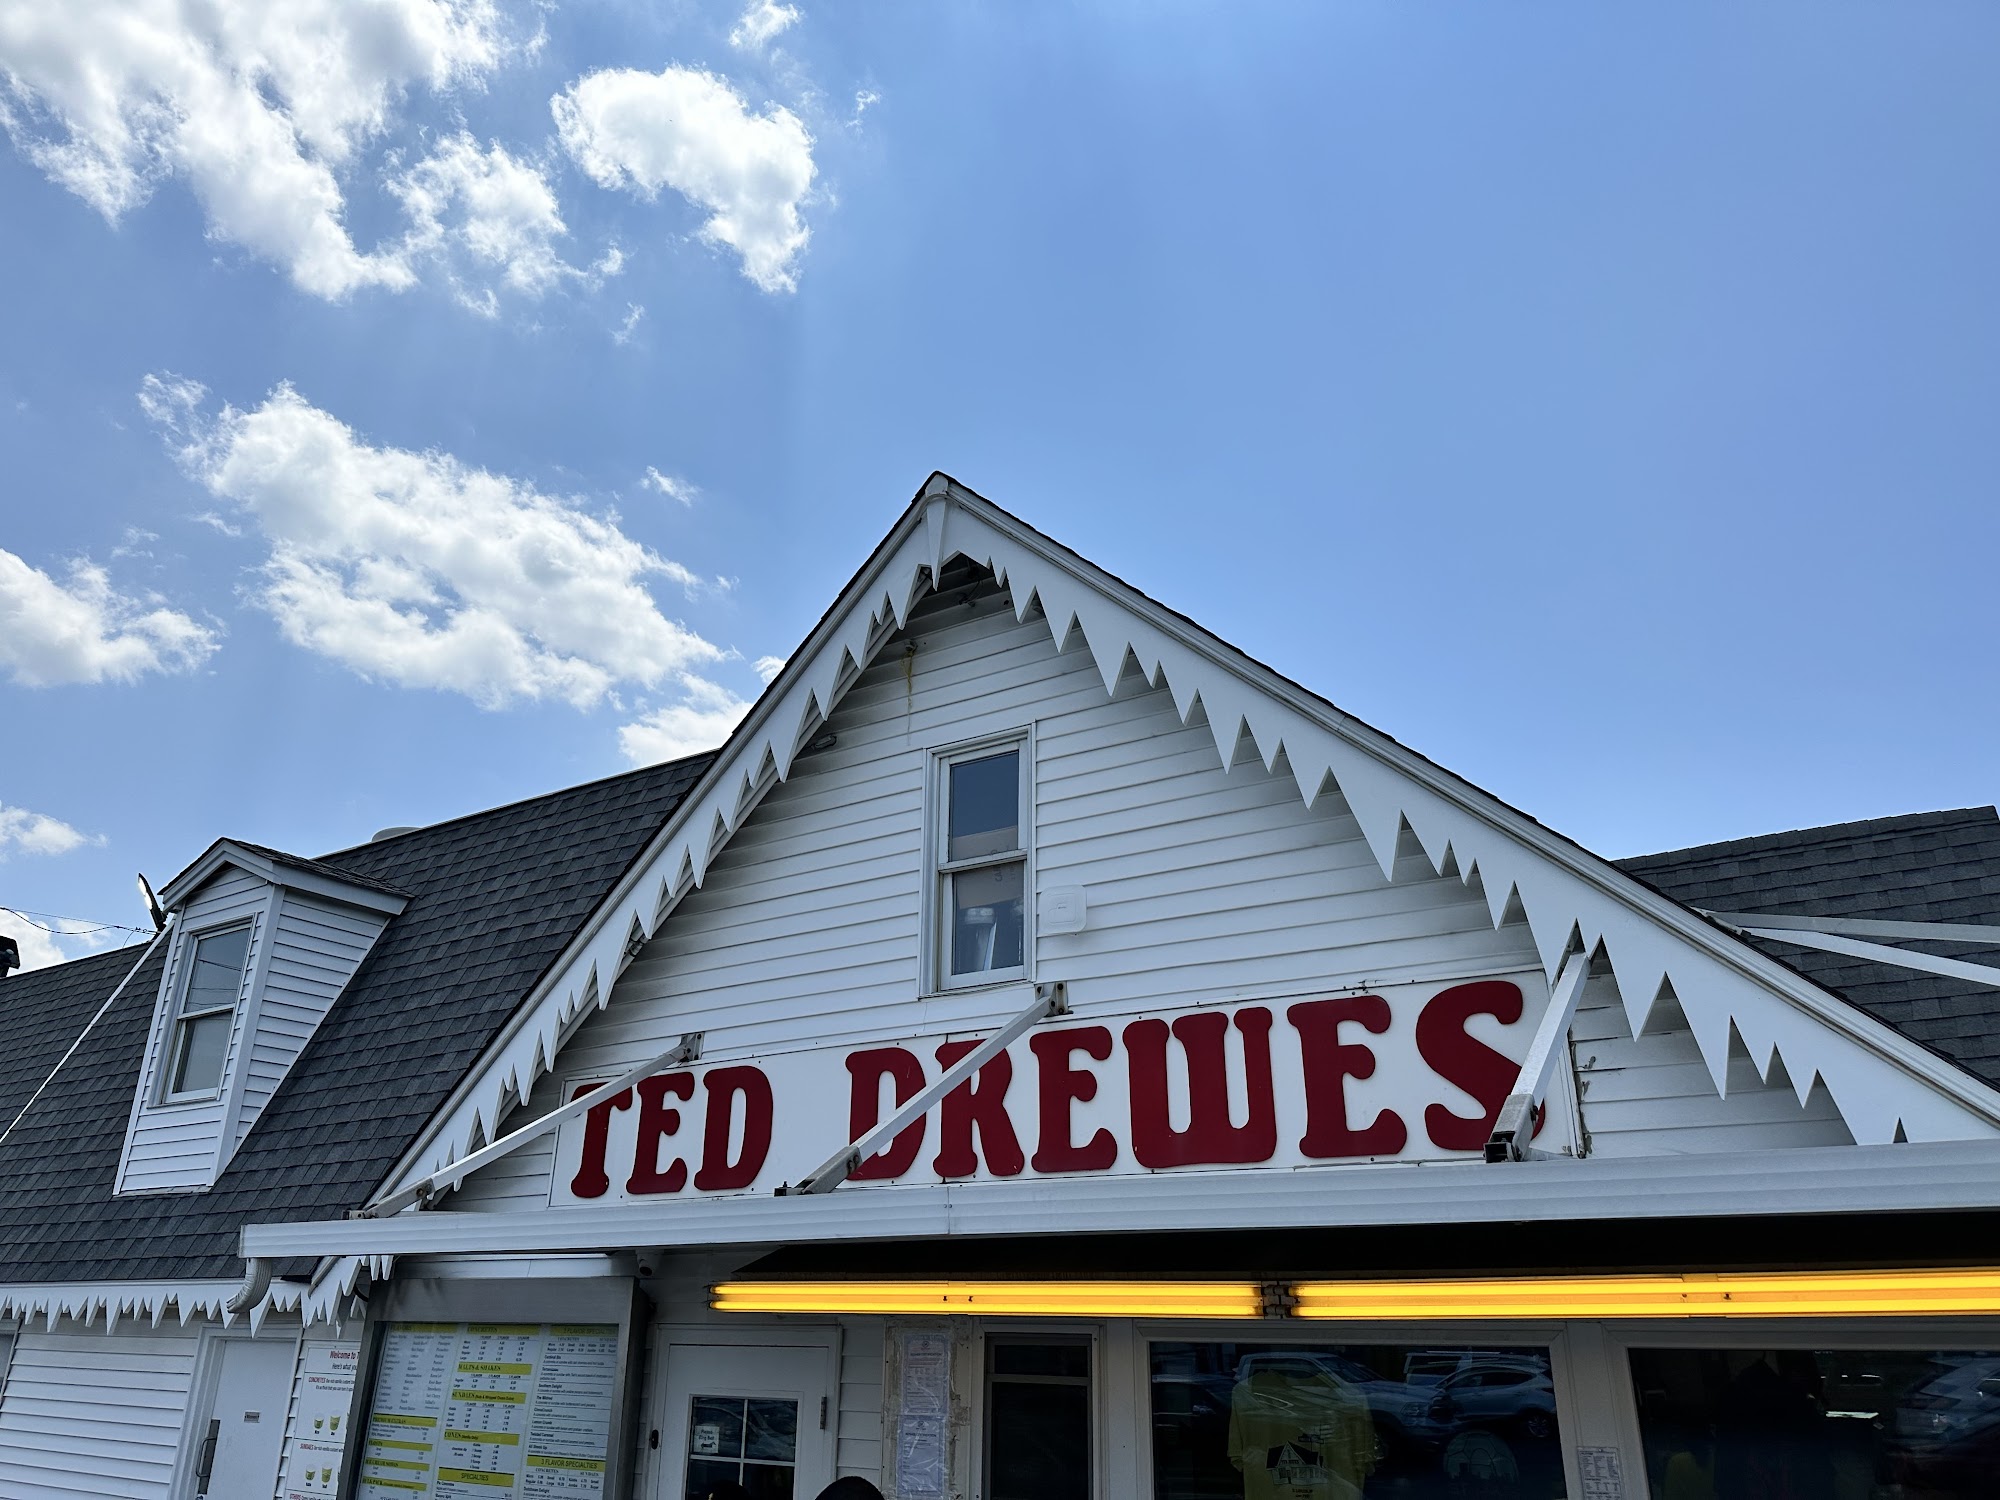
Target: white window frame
{"x":937,"y":977}
{"x":177,"y":1017}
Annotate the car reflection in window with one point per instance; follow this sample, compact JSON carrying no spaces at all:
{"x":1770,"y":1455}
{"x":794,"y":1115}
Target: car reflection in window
{"x":1266,"y":1422}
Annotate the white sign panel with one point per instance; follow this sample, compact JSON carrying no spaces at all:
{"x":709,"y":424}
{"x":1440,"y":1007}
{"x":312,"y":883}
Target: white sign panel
{"x":319,"y":1426}
{"x":1405,"y":1072}
{"x":491,"y":1411}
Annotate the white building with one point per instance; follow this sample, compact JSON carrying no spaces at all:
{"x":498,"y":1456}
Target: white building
{"x":1043,"y":1054}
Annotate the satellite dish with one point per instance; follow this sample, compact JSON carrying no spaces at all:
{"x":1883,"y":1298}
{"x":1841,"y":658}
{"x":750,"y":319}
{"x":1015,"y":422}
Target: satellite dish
{"x":152,"y":904}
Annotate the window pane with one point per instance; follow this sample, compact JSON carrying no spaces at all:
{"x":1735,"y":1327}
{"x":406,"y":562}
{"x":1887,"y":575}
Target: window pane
{"x":715,"y":1427}
{"x":1877,"y":1424}
{"x":985,"y":806}
{"x":1038,"y":1442}
{"x":773,"y":1431}
{"x":215,"y":977}
{"x":1040,"y":1359}
{"x":204,"y":1042}
{"x":1273,"y":1422}
{"x":709,"y":1476}
{"x":986,"y":919}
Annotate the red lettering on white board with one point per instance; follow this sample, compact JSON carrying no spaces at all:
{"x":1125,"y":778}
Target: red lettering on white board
{"x":1209,"y":1138}
{"x":979,"y":1103}
{"x":591,"y":1180}
{"x":1328,"y":1064}
{"x":658,"y":1122}
{"x":867,"y":1069}
{"x":1063,"y":1085}
{"x":724,"y":1087}
{"x":1461,"y":1058}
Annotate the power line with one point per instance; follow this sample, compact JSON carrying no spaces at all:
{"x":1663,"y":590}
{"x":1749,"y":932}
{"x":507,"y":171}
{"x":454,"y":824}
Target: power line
{"x":80,"y":929}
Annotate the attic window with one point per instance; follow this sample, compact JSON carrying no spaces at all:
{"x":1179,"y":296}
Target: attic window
{"x":980,"y":858}
{"x":206,"y":1015}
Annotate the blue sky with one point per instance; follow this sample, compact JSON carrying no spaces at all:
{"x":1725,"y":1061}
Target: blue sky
{"x":1598,"y":399}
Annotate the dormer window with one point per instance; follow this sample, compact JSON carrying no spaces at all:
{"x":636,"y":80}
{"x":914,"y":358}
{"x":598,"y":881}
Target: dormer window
{"x":261,"y":947}
{"x":206,"y":1015}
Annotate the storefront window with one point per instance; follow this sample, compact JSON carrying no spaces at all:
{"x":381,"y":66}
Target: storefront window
{"x":1797,"y":1424}
{"x":1333,"y":1422}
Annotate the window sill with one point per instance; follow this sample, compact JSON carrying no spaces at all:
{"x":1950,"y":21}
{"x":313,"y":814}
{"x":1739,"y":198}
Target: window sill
{"x":1012,"y":978}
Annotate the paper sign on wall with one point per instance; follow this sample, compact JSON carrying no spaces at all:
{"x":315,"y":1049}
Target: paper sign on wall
{"x":921,"y":1413}
{"x":319,"y":1425}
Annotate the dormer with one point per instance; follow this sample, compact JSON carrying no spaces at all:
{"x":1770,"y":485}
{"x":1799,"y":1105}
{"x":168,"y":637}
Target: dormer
{"x":260,"y":946}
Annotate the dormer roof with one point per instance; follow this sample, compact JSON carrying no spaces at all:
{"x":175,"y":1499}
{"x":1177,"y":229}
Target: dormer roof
{"x":274,"y":866}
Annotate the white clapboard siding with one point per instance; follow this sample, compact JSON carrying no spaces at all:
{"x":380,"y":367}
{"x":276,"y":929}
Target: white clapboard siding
{"x":86,"y":1413}
{"x":1202,"y":885}
{"x":1652,"y":1096}
{"x":858,"y":1445}
{"x":316,"y":945}
{"x":303,"y":950}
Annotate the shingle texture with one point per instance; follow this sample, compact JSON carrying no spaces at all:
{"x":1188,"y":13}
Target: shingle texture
{"x":1925,"y":867}
{"x":494,"y":898}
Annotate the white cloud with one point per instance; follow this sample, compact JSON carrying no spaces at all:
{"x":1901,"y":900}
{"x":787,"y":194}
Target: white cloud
{"x":485,"y":213}
{"x":768,"y":668}
{"x":670,"y":486}
{"x":761,"y":20}
{"x":703,"y":718}
{"x":134,"y":542}
{"x":24,"y":832}
{"x":417,"y":569}
{"x":258,"y":106}
{"x":690,"y":131}
{"x":864,"y":99}
{"x":84,"y":630}
{"x":634,"y":315}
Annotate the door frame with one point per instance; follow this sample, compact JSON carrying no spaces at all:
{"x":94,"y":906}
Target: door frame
{"x":202,"y":1388}
{"x":824,"y":1337}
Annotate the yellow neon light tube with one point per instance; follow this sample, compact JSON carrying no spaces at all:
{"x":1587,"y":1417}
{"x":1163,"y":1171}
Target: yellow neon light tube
{"x":1103,"y":1299}
{"x":1761,"y":1294}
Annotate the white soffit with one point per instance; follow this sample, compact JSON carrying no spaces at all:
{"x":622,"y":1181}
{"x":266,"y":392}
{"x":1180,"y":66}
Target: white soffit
{"x":1885,"y":1086}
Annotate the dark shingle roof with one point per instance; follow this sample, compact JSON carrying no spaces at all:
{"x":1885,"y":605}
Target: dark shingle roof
{"x":494,"y":899}
{"x":44,"y":1010}
{"x":1922,"y":867}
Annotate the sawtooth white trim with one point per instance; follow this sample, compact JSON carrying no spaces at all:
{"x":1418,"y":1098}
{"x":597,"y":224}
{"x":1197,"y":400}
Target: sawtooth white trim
{"x":154,"y":1303}
{"x":1886,"y":1087}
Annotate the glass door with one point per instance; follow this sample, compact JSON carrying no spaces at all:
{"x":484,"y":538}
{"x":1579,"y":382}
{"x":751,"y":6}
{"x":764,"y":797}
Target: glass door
{"x":741,"y":1420}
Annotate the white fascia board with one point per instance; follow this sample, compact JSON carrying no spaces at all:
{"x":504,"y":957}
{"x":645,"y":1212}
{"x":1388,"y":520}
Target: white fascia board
{"x":272,"y":872}
{"x":1803,"y":1180}
{"x":1883,"y":1084}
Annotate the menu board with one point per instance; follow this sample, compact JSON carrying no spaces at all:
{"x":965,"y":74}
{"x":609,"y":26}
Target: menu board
{"x":491,"y":1411}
